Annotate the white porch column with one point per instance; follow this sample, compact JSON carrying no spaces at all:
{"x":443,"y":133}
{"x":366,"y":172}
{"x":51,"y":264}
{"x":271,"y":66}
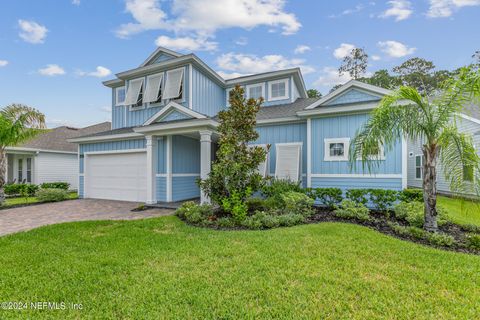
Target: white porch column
{"x":168,"y":169}
{"x":151,"y":169}
{"x":205,"y":159}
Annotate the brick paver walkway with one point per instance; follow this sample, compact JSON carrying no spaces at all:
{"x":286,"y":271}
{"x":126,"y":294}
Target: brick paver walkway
{"x":26,"y":218}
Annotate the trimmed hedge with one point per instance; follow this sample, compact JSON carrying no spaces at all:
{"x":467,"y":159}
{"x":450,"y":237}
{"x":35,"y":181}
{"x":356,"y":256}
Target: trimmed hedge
{"x":16,"y":189}
{"x":51,"y":195}
{"x":55,"y":185}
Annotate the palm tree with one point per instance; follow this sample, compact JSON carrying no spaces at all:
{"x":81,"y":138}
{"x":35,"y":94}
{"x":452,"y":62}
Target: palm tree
{"x":18,"y":123}
{"x":408,"y":114}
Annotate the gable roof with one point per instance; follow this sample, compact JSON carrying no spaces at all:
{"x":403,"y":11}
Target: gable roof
{"x":160,"y":50}
{"x":56,"y":139}
{"x":173,"y":106}
{"x":284,"y":111}
{"x":374,"y":90}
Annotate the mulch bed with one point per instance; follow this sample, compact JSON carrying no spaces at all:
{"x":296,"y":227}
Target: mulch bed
{"x":380,"y":224}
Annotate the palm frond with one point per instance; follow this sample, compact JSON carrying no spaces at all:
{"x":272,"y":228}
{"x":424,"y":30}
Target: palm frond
{"x":20,"y":123}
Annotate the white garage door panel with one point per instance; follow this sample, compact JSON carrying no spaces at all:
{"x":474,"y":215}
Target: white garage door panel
{"x":120,"y":176}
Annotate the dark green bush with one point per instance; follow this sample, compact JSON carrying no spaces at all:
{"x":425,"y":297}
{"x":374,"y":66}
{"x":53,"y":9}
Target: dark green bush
{"x":358,"y":195}
{"x":383,"y":200}
{"x":329,"y":197}
{"x":471,"y":228}
{"x":473,"y":241}
{"x":55,"y":185}
{"x":352,"y":210}
{"x":440,"y":239}
{"x":12,"y":189}
{"x":226,"y":222}
{"x":51,"y":195}
{"x":255,"y":204}
{"x":411,"y":195}
{"x":297,"y":203}
{"x":195,"y":213}
{"x":288,"y":220}
{"x":413,"y":213}
{"x":278,"y":186}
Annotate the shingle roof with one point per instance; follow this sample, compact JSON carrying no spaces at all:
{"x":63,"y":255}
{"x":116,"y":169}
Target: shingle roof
{"x":56,"y":139}
{"x":108,"y":132}
{"x":284,"y":110}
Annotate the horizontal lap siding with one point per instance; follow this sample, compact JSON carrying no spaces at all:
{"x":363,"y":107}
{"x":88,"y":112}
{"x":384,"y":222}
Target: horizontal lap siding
{"x":208,"y":97}
{"x":184,"y":188}
{"x":162,"y":189}
{"x":283,"y":133}
{"x":346,"y":126}
{"x":54,"y":167}
{"x":357,"y":183}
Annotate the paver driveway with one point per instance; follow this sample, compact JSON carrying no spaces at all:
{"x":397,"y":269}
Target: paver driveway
{"x":30,"y":217}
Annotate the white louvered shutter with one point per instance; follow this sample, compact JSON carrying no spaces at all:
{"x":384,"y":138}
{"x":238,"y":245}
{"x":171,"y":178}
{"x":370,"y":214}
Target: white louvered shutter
{"x":288,"y":162}
{"x":133,"y":91}
{"x":172,"y":86}
{"x":153,"y":88}
{"x":263,"y":167}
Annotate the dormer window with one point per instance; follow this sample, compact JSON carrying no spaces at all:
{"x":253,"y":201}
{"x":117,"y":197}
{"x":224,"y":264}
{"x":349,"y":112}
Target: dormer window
{"x":255,"y":91}
{"x":153,"y":92}
{"x":134,"y":95}
{"x":174,"y":84}
{"x":278,"y":90}
{"x":119,"y":96}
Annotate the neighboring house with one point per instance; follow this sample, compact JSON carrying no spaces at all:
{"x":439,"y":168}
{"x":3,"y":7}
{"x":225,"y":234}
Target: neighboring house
{"x":48,"y":157}
{"x":163,"y":135}
{"x":468,"y":122}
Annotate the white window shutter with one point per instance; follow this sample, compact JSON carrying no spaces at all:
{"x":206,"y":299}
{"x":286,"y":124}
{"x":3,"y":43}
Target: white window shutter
{"x":288,"y":162}
{"x":153,"y":87}
{"x":133,"y":91}
{"x":172,"y":86}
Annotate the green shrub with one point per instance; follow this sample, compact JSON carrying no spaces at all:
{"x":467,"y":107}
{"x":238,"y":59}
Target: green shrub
{"x":413,"y":213}
{"x":277,"y":187}
{"x":254,"y":221}
{"x":329,"y":197}
{"x":226,"y":222}
{"x":235,"y":205}
{"x":195,"y":213}
{"x":411,"y":195}
{"x":51,"y":195}
{"x":357,"y":195}
{"x":255,"y":203}
{"x":55,"y":185}
{"x":473,"y":241}
{"x":12,"y":189}
{"x":383,"y":200}
{"x":440,"y":239}
{"x":352,"y":210}
{"x":471,"y":228}
{"x":288,"y":220}
{"x":297,"y":203}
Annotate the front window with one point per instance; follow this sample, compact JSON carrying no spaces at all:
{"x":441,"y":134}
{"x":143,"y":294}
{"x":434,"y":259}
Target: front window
{"x":278,"y":90}
{"x":336,"y":149}
{"x":29,"y":170}
{"x":120,"y":96}
{"x":20,"y":170}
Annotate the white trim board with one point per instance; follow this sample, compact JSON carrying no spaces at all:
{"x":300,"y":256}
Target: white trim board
{"x":354,"y":175}
{"x":122,"y":136}
{"x":114,"y":151}
{"x":33,"y":150}
{"x":174,"y":175}
{"x":467,"y":117}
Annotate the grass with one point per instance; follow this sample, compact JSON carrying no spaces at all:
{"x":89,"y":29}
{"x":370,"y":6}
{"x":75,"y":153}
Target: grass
{"x":461,"y":211}
{"x":20,"y":200}
{"x":162,"y":268}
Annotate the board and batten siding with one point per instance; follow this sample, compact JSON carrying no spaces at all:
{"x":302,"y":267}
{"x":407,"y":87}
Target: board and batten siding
{"x":208,"y":97}
{"x":415,"y":148}
{"x":53,"y":167}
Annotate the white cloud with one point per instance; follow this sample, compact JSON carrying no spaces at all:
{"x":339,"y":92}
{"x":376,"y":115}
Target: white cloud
{"x":399,"y":9}
{"x":329,"y":77}
{"x":32,"y":32}
{"x":356,"y":9}
{"x":301,"y":49}
{"x":186,"y":43}
{"x":395,"y":49}
{"x":76,"y":2}
{"x":51,"y":70}
{"x":445,"y":8}
{"x":242,"y":41}
{"x":343,"y":50}
{"x":247,"y":63}
{"x":376,"y":58}
{"x":100,"y":72}
{"x":205,"y":17}
{"x":3,"y":63}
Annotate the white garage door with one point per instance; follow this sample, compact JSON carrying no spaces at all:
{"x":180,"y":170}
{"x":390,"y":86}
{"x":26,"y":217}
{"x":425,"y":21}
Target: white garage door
{"x":120,"y":176}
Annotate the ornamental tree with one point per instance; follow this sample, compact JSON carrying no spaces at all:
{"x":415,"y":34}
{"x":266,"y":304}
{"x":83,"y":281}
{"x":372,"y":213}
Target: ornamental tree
{"x":234,"y":176}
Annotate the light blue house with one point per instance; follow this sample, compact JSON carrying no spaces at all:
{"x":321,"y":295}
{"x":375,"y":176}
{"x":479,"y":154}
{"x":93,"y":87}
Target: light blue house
{"x":163,"y":135}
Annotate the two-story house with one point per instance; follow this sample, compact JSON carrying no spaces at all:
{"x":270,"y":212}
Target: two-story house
{"x":163,"y":135}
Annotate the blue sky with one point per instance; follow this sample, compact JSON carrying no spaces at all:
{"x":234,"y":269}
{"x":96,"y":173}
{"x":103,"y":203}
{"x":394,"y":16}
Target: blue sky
{"x":54,"y":54}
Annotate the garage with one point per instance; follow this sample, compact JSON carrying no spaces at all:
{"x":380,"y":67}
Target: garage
{"x":116,"y":176}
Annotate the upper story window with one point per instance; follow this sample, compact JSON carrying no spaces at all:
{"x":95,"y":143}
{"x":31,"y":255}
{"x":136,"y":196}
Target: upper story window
{"x":120,"y":96}
{"x":174,"y":84}
{"x":278,"y":90}
{"x":153,"y":92}
{"x":134,"y":96}
{"x":336,"y":149}
{"x":255,"y":91}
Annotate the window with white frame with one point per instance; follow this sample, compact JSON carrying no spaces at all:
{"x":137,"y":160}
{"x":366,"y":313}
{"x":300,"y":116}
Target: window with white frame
{"x":134,"y":96}
{"x":153,"y":91}
{"x":255,"y":91}
{"x":120,"y":96}
{"x":278,"y":90}
{"x":174,"y":84}
{"x":418,"y":167}
{"x":336,"y":149}
{"x":288,"y":164}
{"x":29,"y":170}
{"x":20,"y":170}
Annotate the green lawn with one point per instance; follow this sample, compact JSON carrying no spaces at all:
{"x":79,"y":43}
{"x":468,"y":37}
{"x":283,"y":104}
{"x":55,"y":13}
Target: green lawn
{"x":461,"y":211}
{"x":29,"y":200}
{"x":162,"y":268}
